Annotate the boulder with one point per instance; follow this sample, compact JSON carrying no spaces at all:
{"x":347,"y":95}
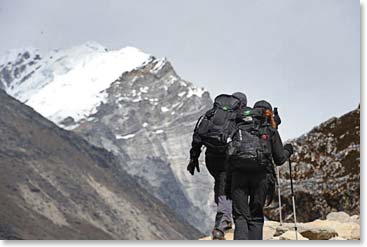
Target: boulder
{"x":319,"y":230}
{"x":348,"y":230}
{"x":269,"y":229}
{"x":319,"y":234}
{"x":271,"y":224}
{"x":355,"y":219}
{"x":229,"y":235}
{"x":338,"y":216}
{"x":280,"y":229}
{"x":291,"y":235}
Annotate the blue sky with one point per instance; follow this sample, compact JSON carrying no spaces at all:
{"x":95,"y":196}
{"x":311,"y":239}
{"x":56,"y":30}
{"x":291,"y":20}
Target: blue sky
{"x":301,"y":55}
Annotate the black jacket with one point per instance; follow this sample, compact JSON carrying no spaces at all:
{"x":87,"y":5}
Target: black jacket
{"x":196,"y":145}
{"x":278,"y":156}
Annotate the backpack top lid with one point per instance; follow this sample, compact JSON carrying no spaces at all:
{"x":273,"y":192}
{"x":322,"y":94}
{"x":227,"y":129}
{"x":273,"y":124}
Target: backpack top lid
{"x":249,"y":115}
{"x":252,"y":112}
{"x":227,"y":102}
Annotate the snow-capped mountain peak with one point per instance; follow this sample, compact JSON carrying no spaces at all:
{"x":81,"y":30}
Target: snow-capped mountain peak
{"x":69,"y":83}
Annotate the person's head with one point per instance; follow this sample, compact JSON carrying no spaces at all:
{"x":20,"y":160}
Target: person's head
{"x":242,"y":97}
{"x":263,"y":104}
{"x":267,"y":111}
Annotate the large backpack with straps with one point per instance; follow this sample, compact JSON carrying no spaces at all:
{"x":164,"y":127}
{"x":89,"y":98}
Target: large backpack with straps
{"x":215,"y":126}
{"x":249,"y":146}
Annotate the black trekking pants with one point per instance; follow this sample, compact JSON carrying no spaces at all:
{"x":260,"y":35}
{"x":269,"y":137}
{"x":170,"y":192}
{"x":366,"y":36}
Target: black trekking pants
{"x":249,"y":192}
{"x":217,"y":168}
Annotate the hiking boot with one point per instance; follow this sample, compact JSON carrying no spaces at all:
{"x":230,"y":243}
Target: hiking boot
{"x":218,"y":234}
{"x":228,"y":227}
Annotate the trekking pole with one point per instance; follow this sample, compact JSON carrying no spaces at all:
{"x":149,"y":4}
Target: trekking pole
{"x":279,"y":198}
{"x":293,"y":201}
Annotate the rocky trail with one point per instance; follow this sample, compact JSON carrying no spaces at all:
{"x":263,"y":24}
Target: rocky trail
{"x":336,"y":226}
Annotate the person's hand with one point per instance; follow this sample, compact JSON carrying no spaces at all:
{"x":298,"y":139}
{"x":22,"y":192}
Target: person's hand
{"x":194,"y":163}
{"x":289,"y":148}
{"x":277,"y":119}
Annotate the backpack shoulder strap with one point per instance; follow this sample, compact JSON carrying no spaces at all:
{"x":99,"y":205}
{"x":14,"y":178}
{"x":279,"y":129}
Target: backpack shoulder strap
{"x":198,"y":122}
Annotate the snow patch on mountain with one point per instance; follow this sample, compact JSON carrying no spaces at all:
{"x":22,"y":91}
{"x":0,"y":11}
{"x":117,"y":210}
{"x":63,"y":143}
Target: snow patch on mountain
{"x":125,"y":136}
{"x":195,"y":91}
{"x":93,"y":73}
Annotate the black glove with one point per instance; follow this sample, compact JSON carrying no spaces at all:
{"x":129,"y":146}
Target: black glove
{"x":289,"y":148}
{"x":276,"y":117}
{"x":191,"y":166}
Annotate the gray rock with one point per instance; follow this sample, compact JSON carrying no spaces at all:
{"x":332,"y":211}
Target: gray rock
{"x":291,"y":235}
{"x":338,"y":216}
{"x":355,"y":219}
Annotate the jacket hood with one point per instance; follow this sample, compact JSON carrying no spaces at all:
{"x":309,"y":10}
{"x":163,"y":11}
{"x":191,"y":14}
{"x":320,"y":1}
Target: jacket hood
{"x":263,"y":104}
{"x":242,"y":97}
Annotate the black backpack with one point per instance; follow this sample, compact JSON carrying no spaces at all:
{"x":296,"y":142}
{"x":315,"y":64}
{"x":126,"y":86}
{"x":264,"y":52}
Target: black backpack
{"x":216,"y":125}
{"x":249,"y":146}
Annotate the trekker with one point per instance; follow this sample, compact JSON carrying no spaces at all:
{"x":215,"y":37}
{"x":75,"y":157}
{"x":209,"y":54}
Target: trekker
{"x":212,"y":130}
{"x":252,"y":149}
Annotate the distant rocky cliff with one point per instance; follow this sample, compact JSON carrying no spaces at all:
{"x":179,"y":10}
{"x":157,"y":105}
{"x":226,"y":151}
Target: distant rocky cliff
{"x":148,"y":120}
{"x":326,"y":171}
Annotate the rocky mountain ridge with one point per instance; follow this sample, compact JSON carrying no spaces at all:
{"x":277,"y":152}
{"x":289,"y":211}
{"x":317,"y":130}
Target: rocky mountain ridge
{"x":55,"y":185}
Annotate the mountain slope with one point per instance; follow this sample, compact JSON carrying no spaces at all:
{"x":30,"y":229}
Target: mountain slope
{"x":55,"y":185}
{"x":148,"y":119}
{"x":131,"y":104}
{"x":326,"y":170}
